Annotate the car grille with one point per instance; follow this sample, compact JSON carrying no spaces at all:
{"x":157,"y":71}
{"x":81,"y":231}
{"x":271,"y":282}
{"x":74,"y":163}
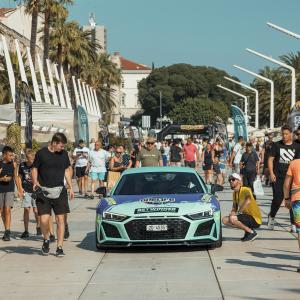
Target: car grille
{"x":111,"y":231}
{"x":204,"y":228}
{"x":177,"y":229}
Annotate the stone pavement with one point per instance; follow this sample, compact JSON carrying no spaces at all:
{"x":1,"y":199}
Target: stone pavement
{"x":263,"y":269}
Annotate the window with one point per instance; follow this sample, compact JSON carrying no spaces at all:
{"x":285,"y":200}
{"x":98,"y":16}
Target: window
{"x":123,"y":100}
{"x":156,"y":183}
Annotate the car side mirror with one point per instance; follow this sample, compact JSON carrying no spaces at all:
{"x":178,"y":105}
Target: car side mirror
{"x":102,"y":191}
{"x":216,"y":188}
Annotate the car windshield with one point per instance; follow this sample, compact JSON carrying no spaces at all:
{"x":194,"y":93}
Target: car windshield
{"x":159,"y":183}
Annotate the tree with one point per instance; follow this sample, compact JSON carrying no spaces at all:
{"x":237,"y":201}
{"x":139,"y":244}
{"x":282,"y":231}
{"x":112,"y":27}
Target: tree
{"x":33,"y":8}
{"x":179,"y":82}
{"x":52,"y":9}
{"x":195,"y":111}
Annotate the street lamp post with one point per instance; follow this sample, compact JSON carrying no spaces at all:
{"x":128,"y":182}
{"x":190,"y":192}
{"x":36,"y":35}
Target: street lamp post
{"x":281,"y":29}
{"x":256,"y":98}
{"x":160,"y":109}
{"x":272,"y":91}
{"x":293,"y":71}
{"x":240,"y":95}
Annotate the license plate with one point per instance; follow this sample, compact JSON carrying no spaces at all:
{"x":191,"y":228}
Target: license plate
{"x":157,"y":227}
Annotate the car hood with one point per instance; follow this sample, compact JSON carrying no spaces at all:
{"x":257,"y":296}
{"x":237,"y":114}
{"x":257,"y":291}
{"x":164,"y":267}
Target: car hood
{"x":139,"y":205}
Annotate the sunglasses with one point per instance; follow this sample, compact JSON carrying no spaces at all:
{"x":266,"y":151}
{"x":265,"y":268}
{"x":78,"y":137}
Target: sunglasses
{"x":232,"y":179}
{"x":118,"y":152}
{"x":150,"y":143}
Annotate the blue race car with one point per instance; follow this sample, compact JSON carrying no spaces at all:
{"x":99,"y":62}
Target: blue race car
{"x":159,"y":206}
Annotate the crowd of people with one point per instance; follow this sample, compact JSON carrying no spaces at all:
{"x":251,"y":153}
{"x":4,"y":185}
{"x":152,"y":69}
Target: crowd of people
{"x":44,"y":179}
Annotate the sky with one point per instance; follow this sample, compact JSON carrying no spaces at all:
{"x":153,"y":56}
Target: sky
{"x":198,"y":32}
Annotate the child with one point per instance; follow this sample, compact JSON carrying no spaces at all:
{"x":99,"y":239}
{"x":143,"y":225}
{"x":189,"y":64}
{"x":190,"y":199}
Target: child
{"x":25,"y":184}
{"x":8,"y":173}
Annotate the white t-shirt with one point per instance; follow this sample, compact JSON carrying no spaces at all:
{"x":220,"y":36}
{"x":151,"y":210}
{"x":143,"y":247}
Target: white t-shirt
{"x":83,"y":158}
{"x":98,"y":160}
{"x":238,"y":149}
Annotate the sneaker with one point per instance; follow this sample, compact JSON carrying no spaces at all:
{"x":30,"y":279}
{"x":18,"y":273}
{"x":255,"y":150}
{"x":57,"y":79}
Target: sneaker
{"x":45,"y":247}
{"x":293,"y":228}
{"x":92,"y":197}
{"x":25,"y":235}
{"x":67,"y":232}
{"x":245,"y":235}
{"x":6,"y":236}
{"x":60,"y":251}
{"x":80,"y":193}
{"x":271,"y":222}
{"x":38,"y":231}
{"x":86,"y":196}
{"x":52,"y":238}
{"x":251,"y":236}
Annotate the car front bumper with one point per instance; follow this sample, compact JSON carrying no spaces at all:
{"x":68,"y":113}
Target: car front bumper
{"x":181,"y":231}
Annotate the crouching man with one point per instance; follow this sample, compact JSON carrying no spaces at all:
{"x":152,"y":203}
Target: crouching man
{"x":245,"y":213}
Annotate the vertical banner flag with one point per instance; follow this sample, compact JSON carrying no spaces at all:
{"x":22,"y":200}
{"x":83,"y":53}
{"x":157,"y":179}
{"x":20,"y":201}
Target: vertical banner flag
{"x":28,"y":114}
{"x":81,"y":124}
{"x":240,"y":128}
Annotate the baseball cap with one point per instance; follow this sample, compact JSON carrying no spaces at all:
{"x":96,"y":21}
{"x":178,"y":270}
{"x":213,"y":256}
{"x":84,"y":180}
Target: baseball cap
{"x":235,"y":176}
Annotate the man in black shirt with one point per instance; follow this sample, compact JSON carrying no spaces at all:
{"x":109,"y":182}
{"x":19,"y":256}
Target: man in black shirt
{"x":50,"y":168}
{"x":8,"y":174}
{"x":282,"y":153}
{"x":25,"y":183}
{"x":175,"y":154}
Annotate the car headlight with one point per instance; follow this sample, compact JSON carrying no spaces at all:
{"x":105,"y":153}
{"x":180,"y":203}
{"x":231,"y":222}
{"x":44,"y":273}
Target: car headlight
{"x":201,"y":215}
{"x":114,"y":217}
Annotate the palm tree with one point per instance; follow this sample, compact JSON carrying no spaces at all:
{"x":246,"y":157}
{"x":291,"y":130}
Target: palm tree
{"x":33,"y":8}
{"x":282,"y":95}
{"x":293,"y":60}
{"x":53,"y":10}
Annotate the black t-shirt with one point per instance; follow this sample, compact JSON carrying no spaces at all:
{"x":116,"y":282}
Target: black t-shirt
{"x":25,"y":173}
{"x":175,"y":153}
{"x":8,"y":170}
{"x":51,"y":167}
{"x":249,"y":161}
{"x":283,"y":155}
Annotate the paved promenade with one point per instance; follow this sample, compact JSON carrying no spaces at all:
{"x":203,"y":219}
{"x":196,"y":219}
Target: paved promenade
{"x":259,"y":270}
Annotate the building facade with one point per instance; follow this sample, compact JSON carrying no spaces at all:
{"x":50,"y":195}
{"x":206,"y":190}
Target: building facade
{"x":16,"y":24}
{"x":132,"y":74}
{"x":99,"y":33}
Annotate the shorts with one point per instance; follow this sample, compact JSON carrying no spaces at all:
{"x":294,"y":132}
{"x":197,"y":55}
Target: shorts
{"x":28,"y":201}
{"x":248,"y":220}
{"x":216,"y":168}
{"x":60,"y":205}
{"x":190,"y":164}
{"x":296,"y":213}
{"x":207,"y":167}
{"x":175,"y":163}
{"x":80,"y":172}
{"x":97,"y":175}
{"x":7,"y":199}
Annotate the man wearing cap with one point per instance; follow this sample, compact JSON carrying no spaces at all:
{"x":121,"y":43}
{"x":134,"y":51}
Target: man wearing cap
{"x":245,"y":213}
{"x":149,"y":156}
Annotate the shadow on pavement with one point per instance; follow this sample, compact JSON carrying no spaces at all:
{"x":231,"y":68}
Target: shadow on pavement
{"x":88,"y":243}
{"x":256,"y":264}
{"x":21,"y":250}
{"x":274,"y":255}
